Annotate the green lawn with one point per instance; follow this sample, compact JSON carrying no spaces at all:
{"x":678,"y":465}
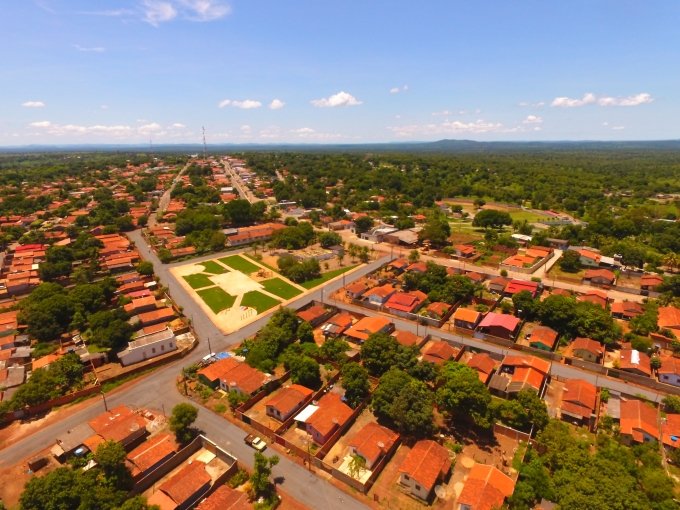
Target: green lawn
{"x":529,"y":216}
{"x":280,"y":288}
{"x":325,"y":277}
{"x":259,"y":301}
{"x":216,"y":299}
{"x":198,"y":280}
{"x":240,"y":264}
{"x":213,"y":267}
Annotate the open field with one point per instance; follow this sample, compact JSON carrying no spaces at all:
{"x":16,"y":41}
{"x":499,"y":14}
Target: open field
{"x":240,"y":264}
{"x":198,"y":281}
{"x":280,"y":288}
{"x":258,"y":301}
{"x":216,"y":298}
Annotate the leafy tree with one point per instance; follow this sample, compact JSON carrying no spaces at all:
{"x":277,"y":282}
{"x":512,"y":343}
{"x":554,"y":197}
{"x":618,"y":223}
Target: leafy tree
{"x":355,"y":382}
{"x":380,"y":352}
{"x":181,"y":421}
{"x":145,"y":268}
{"x":525,"y":305}
{"x":328,"y":239}
{"x":460,"y":392}
{"x":363,"y":224}
{"x":437,"y":230}
{"x":570,"y":261}
{"x":672,"y":404}
{"x":260,"y":479}
{"x":305,"y":332}
{"x":491,"y":218}
{"x":413,"y":256}
{"x":522,"y":412}
{"x":110,"y":456}
{"x":334,"y":349}
{"x":305,"y":371}
{"x":54,"y":491}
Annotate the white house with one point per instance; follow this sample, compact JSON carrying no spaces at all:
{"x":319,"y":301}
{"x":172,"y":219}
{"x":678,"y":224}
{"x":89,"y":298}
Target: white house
{"x":148,"y":346}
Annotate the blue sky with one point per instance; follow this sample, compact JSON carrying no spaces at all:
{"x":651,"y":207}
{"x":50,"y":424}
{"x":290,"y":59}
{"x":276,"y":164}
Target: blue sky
{"x":271,"y":71}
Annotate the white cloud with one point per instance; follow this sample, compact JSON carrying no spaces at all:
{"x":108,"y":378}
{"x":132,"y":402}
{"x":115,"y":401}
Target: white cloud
{"x":246,"y":104}
{"x":538,"y":104}
{"x":340,"y":99}
{"x":246,"y":129}
{"x":206,"y":10}
{"x":635,"y":100}
{"x":533,"y":119}
{"x":119,"y":131}
{"x":590,"y":98}
{"x":157,"y":12}
{"x":618,"y":128}
{"x":90,"y":49}
{"x":104,"y":107}
{"x":568,"y":102}
{"x":396,"y":90}
{"x":33,"y":104}
{"x":447,"y":128}
{"x":276,"y":104}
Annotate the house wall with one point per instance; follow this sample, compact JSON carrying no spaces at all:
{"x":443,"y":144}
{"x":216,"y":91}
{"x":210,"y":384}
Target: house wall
{"x":585,"y":355}
{"x":673,"y":379}
{"x":131,"y":356}
{"x":414,"y":487}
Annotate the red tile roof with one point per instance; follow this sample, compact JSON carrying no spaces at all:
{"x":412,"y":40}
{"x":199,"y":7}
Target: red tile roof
{"x":466,"y":315}
{"x":544,"y":335}
{"x":312,"y":313}
{"x":426,"y":463}
{"x":670,"y":430}
{"x":485,"y":488}
{"x":630,"y":359}
{"x":439,"y":352}
{"x":406,"y":338}
{"x":150,"y":452}
{"x":483,"y":364}
{"x":186,"y":482}
{"x":233,"y":373}
{"x":604,"y":274}
{"x":579,"y":397}
{"x":405,"y":301}
{"x":638,"y":417}
{"x":587,"y":344}
{"x":516,"y":286}
{"x":669,"y":317}
{"x":366,"y":327}
{"x":669,"y":365}
{"x":289,"y":398}
{"x":373,"y":441}
{"x":332,"y":413}
{"x":117,"y":424}
{"x":225,"y":498}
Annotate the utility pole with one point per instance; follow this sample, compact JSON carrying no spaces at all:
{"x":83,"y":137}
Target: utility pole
{"x":209,"y":347}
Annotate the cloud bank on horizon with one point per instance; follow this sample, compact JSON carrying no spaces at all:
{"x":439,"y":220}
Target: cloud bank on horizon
{"x":128,"y":71}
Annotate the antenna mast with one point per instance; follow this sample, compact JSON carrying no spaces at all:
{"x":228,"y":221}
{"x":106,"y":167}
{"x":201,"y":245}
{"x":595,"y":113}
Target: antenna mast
{"x":204,"y":145}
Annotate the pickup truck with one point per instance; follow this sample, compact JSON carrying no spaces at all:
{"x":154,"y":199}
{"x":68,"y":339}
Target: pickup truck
{"x":256,"y":442}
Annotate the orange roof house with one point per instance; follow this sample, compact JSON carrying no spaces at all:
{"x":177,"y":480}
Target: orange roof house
{"x":483,"y":364}
{"x":587,"y":349}
{"x":406,"y":338}
{"x":182,"y":487}
{"x":331,"y":415}
{"x":426,"y":464}
{"x":287,"y":401}
{"x":517,"y":373}
{"x":639,"y":421}
{"x":626,"y":309}
{"x":439,"y":352}
{"x":119,"y":424}
{"x":670,"y":430}
{"x":150,"y":454}
{"x":669,"y":372}
{"x":232,"y":375}
{"x":314,"y":314}
{"x":367,"y":326}
{"x":225,"y":498}
{"x":543,"y":337}
{"x":372,"y":442}
{"x":578,"y":400}
{"x":635,"y":362}
{"x":407,"y":302}
{"x":466,"y":318}
{"x":486,"y":488}
{"x":669,"y":318}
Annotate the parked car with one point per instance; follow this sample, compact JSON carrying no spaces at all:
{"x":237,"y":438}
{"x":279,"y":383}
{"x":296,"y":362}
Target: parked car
{"x":256,"y":442}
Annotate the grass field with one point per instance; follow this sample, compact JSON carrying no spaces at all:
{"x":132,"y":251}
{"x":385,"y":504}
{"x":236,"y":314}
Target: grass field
{"x":280,"y":288}
{"x":325,"y":277}
{"x":240,"y":264}
{"x":259,"y":301}
{"x":216,"y":299}
{"x":529,"y":216}
{"x":213,"y":267}
{"x":198,"y":280}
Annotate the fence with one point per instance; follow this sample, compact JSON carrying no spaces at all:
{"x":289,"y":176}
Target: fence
{"x":504,"y":430}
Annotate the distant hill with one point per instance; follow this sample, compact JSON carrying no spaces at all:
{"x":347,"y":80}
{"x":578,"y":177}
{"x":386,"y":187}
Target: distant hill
{"x":440,"y":146}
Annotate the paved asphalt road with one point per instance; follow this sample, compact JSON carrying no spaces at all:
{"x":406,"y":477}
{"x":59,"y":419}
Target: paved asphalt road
{"x":158,"y":391}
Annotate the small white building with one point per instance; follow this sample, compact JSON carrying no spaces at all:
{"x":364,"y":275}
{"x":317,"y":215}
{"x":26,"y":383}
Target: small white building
{"x":148,"y":346}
